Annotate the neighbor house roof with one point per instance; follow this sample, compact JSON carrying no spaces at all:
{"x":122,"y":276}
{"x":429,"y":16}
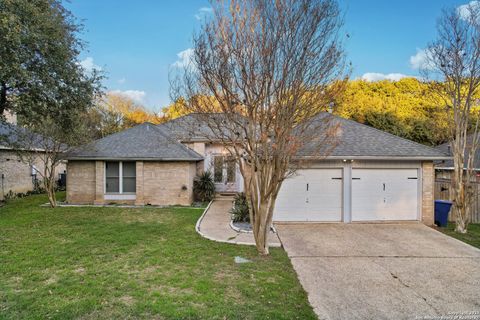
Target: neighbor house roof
{"x":15,"y":137}
{"x":448,"y":164}
{"x":358,"y":141}
{"x":142,"y":142}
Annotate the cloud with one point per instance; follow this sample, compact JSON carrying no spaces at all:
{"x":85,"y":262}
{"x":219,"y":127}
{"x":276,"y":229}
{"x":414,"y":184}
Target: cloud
{"x":136,"y":95}
{"x":203,"y":12}
{"x":421,"y":60}
{"x":88,"y":65}
{"x":465,"y":10}
{"x":122,"y":80}
{"x":184,"y":58}
{"x":374,"y":76}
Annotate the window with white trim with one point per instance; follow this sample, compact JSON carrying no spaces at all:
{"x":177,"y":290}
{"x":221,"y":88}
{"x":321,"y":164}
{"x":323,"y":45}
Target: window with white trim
{"x":120,"y":177}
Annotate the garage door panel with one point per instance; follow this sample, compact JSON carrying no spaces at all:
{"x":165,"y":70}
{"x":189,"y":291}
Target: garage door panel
{"x":384,"y":194}
{"x":292,"y":198}
{"x":311,"y":195}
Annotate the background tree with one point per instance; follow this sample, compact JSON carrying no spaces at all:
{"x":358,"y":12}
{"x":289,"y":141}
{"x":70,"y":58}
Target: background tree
{"x":404,"y":108}
{"x":454,"y":61}
{"x":42,"y":80}
{"x":177,"y":109}
{"x":115,"y":112}
{"x":269,"y":67}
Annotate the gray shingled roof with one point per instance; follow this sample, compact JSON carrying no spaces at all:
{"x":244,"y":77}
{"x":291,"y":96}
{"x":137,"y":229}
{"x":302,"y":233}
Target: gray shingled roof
{"x":198,"y":127}
{"x":448,"y":164}
{"x":359,"y":141}
{"x":16,"y":137}
{"x":143,"y":142}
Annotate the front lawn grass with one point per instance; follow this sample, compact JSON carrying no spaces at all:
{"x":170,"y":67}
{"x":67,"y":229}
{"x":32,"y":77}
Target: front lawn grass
{"x":104,"y":263}
{"x":472,"y":236}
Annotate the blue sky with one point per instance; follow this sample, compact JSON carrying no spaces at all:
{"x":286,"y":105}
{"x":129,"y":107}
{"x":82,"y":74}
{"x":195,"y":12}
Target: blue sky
{"x":137,"y":42}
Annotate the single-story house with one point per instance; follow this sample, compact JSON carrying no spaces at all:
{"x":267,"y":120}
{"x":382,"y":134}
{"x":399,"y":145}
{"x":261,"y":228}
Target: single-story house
{"x":370,"y":175}
{"x":16,"y":176}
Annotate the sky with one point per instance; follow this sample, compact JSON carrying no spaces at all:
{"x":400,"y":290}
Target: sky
{"x":137,"y":43}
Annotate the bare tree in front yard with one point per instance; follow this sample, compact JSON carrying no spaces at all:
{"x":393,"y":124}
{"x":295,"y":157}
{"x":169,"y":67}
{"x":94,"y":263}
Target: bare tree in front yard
{"x":44,"y":144}
{"x":267,"y":69}
{"x":453,"y":63}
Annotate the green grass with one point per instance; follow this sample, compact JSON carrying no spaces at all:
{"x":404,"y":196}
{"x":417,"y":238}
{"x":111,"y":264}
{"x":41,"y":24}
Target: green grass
{"x":97,"y":263}
{"x":472,"y":236}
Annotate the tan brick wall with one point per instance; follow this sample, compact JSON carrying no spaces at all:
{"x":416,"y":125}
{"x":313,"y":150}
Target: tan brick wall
{"x":81,"y":182}
{"x":139,"y":184}
{"x":99,"y":183}
{"x":158,"y":183}
{"x":428,"y":181}
{"x":18,"y":174}
{"x":163,"y":182}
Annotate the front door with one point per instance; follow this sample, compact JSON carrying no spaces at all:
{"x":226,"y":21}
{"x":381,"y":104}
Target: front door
{"x":225,"y":173}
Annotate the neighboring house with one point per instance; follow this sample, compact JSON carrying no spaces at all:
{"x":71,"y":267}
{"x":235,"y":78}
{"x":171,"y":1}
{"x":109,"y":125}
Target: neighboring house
{"x":370,"y":175}
{"x":444,"y":169}
{"x":17,"y":176}
{"x":443,"y":180}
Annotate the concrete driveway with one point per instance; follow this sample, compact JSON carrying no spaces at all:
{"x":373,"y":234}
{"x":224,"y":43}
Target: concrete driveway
{"x":384,"y":271}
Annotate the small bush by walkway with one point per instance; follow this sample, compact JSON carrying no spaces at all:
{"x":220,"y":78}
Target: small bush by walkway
{"x":97,"y":263}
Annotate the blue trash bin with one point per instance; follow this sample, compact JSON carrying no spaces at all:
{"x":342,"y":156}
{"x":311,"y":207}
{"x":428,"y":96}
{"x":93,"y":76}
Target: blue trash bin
{"x":442,"y":208}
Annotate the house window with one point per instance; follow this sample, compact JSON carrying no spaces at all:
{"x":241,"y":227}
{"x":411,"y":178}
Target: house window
{"x":129,"y":177}
{"x":230,"y":163}
{"x":120,"y":177}
{"x":112,"y":177}
{"x":219,"y":164}
{"x":218,"y":168}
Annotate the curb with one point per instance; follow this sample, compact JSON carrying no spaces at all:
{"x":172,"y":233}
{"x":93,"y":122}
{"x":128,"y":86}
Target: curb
{"x":197,"y":229}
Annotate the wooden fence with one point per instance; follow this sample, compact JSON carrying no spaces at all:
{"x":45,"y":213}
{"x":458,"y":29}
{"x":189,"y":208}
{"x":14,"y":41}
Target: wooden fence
{"x":443,"y":192}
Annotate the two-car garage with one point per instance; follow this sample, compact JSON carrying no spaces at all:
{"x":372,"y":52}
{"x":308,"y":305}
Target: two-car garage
{"x":351,"y":194}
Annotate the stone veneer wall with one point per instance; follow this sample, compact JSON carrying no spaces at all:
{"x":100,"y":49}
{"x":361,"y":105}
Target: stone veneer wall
{"x":428,"y":181}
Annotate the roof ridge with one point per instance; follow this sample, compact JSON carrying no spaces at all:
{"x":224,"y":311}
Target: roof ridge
{"x":171,"y":139}
{"x":118,"y":133}
{"x":387,"y":133}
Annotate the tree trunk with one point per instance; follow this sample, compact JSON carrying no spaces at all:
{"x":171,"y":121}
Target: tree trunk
{"x":260,"y":228}
{"x":49,"y":184}
{"x":3,"y":97}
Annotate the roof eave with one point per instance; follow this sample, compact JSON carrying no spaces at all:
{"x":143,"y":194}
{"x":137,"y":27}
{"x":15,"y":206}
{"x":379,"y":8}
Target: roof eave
{"x":452,"y":168}
{"x":133,"y":159}
{"x":377,"y":157}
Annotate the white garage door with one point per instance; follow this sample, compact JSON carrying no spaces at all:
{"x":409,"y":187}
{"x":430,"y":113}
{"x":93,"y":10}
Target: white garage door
{"x":384,"y":194}
{"x":311,"y":195}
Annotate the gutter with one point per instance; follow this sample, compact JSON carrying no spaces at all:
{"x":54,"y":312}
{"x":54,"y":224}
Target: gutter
{"x":132,"y":159}
{"x":452,"y":168}
{"x":372,"y":158}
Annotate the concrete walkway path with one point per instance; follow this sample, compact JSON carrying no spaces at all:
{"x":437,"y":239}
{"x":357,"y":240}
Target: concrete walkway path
{"x":214,"y":224}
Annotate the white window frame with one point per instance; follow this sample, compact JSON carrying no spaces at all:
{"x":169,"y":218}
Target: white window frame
{"x":117,"y":195}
